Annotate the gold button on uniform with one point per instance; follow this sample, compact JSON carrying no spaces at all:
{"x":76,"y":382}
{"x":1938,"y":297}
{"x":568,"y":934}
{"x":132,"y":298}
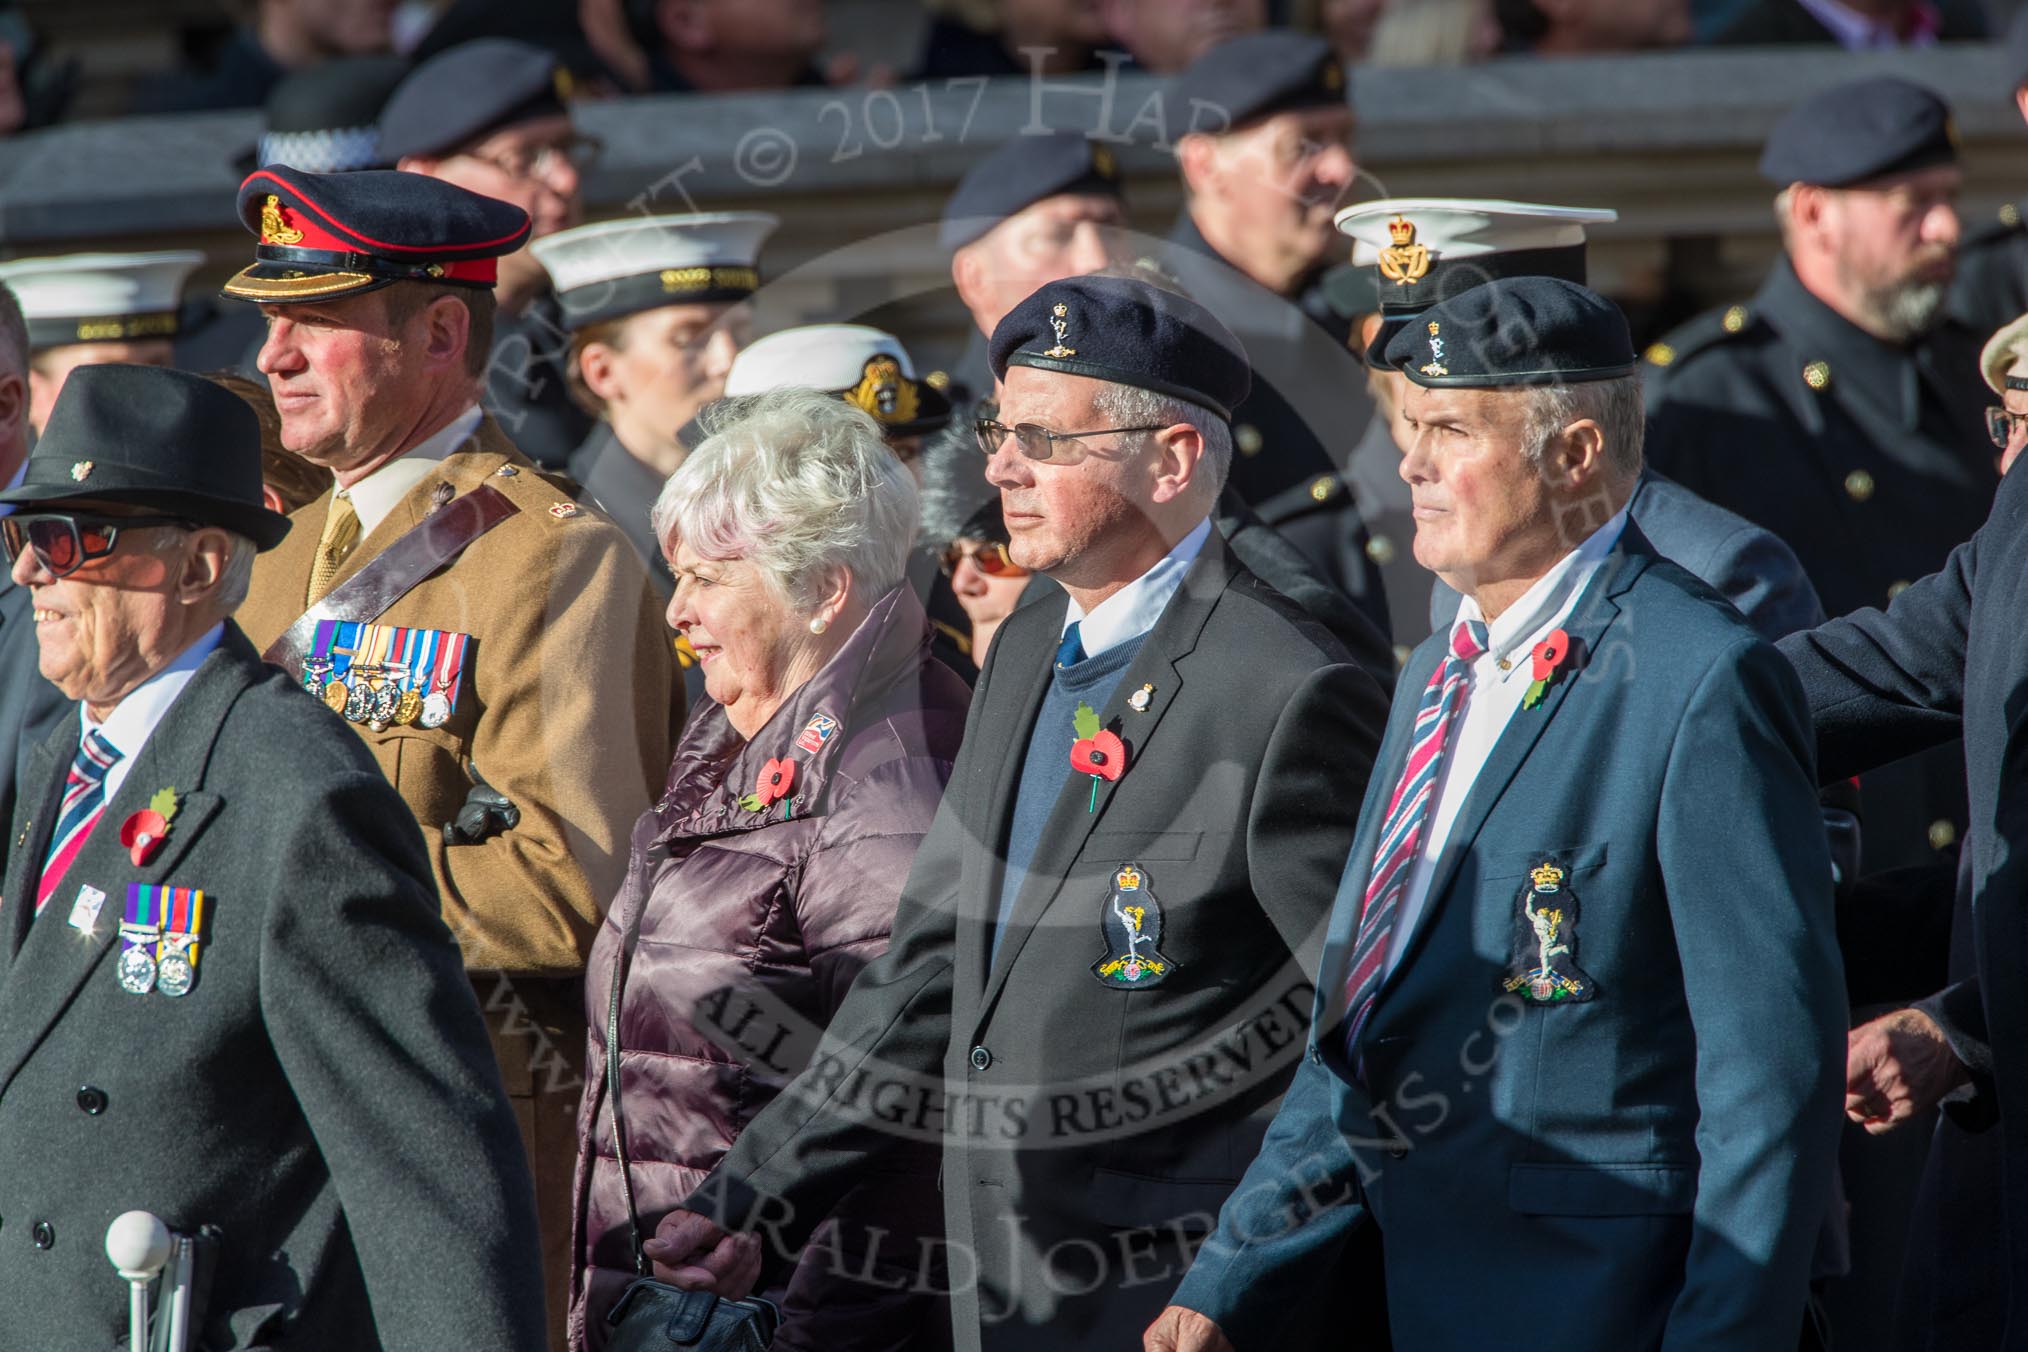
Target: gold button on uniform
{"x":1895,"y":589}
{"x":1817,"y":375}
{"x":1942,"y":834}
{"x":1380,"y":549}
{"x":1659,"y":354}
{"x":1859,"y":485}
{"x":1735,"y":319}
{"x":1247,"y":438}
{"x":1320,"y":491}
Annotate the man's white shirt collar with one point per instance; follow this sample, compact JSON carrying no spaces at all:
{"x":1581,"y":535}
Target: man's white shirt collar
{"x":376,"y":495}
{"x":134,"y":719}
{"x":1132,"y":610}
{"x":1544,"y":605}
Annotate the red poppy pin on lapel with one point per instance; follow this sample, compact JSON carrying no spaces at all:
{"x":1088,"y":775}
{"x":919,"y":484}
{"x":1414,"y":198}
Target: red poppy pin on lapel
{"x":777,"y":777}
{"x":1549,"y":659}
{"x":144,"y":832}
{"x":1096,"y":752}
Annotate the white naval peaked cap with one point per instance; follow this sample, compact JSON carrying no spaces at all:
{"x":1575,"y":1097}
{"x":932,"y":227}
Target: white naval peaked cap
{"x":613,"y":268}
{"x":100,"y":297}
{"x":1457,"y":227}
{"x":868,"y":367}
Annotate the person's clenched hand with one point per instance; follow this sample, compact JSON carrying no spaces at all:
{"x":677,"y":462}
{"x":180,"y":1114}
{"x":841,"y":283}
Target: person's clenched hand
{"x":1898,"y":1067}
{"x":693,"y":1252}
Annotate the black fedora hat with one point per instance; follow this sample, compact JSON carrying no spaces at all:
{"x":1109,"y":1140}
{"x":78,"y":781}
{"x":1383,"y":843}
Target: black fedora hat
{"x":148,"y":436}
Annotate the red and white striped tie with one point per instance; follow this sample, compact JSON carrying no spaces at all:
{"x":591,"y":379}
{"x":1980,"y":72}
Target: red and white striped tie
{"x":1408,"y":813}
{"x":84,"y":798}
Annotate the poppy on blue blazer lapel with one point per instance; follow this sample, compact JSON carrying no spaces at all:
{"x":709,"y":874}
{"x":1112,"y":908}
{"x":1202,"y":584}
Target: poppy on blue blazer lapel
{"x":1593,"y":615}
{"x":1077,"y":812}
{"x":52,"y":960}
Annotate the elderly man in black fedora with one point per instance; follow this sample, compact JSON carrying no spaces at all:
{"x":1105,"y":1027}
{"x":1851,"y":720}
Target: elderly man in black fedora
{"x":226,"y":995}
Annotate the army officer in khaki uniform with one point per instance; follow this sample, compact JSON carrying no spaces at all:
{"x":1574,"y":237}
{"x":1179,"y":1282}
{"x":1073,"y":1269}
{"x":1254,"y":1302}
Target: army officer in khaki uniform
{"x":495,"y":643}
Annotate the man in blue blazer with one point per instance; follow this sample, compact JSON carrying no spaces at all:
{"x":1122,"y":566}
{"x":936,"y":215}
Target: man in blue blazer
{"x":1578,"y":1044}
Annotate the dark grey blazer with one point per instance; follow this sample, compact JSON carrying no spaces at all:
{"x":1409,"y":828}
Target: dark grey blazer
{"x":1087,"y":1122}
{"x":325,"y":1095}
{"x":29,"y":705}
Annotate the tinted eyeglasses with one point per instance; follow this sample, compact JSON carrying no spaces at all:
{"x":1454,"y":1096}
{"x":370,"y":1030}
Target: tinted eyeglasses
{"x":1039,"y":443}
{"x":990,"y":558}
{"x":66,"y":541}
{"x":2002,"y":425}
{"x":580,"y":152}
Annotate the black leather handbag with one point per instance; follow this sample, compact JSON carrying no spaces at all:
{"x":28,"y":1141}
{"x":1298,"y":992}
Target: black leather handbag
{"x":650,"y":1315}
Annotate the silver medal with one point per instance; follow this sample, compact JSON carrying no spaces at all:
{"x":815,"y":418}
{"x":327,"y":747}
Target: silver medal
{"x":175,"y":974}
{"x":137,"y":971}
{"x":436,"y":710}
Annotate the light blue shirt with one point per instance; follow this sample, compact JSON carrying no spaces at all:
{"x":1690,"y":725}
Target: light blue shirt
{"x":1132,"y":610}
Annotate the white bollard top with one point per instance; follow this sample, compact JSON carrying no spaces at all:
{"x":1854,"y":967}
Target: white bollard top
{"x":138,"y":1245}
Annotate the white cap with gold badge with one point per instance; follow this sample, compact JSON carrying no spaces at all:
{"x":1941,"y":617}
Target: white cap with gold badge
{"x":100,"y":297}
{"x":865,"y":366}
{"x":614,"y":268}
{"x":1426,"y":249}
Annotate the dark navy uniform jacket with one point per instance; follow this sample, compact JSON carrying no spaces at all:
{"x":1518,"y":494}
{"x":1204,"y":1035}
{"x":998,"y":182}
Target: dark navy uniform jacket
{"x":1870,"y":460}
{"x":1293,"y":434}
{"x":1991,"y":290}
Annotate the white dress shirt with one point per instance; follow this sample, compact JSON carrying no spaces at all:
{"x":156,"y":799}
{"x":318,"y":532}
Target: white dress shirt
{"x":375,"y":496}
{"x":1499,"y":679}
{"x":1132,"y":610}
{"x":133,"y":720}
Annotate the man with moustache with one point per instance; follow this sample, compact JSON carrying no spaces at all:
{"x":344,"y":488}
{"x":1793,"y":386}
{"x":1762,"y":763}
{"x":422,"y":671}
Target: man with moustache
{"x":1838,"y":408}
{"x":1075,"y":929}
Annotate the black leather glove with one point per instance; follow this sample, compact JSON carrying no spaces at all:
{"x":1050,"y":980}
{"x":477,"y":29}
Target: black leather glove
{"x":486,"y":813}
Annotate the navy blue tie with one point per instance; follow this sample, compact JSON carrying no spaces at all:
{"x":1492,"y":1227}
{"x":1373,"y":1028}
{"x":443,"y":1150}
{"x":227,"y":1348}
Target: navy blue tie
{"x":1071,"y":651}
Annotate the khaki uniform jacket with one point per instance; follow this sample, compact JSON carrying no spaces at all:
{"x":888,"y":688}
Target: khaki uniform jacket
{"x":568,"y":707}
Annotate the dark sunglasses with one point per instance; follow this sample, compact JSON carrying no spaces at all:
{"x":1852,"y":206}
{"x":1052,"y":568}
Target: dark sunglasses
{"x":992,"y":559}
{"x":66,"y":541}
{"x":2001,"y":425}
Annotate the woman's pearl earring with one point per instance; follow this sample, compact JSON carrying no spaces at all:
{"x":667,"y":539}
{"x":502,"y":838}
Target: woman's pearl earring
{"x":819,"y":625}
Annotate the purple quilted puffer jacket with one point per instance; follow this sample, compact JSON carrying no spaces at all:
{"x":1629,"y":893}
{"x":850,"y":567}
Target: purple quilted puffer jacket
{"x":752,"y":925}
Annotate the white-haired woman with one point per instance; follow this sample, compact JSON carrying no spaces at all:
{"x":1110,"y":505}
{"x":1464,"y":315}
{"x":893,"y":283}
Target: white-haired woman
{"x":768,"y":874}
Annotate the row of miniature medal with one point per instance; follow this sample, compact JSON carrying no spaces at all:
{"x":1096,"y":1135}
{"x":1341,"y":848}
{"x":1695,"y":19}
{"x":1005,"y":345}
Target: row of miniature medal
{"x":161,"y":939}
{"x":380,"y":688}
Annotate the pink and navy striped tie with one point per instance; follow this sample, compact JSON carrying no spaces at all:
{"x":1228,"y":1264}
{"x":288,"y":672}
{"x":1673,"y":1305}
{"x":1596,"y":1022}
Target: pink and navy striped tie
{"x":1408,"y":813}
{"x":84,"y":797}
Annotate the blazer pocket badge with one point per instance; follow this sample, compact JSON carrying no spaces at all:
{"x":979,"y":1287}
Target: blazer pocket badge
{"x":1131,"y":922}
{"x":1544,"y":968}
{"x":383,"y":675}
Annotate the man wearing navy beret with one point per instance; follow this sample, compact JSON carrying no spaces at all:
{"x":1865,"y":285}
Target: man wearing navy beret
{"x":1839,"y":407}
{"x":1580,"y":1023}
{"x":1263,"y":131}
{"x":1131,"y":867}
{"x":496,"y":644}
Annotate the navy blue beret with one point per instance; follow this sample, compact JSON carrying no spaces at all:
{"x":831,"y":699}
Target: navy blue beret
{"x":464,"y":92}
{"x":328,"y":235}
{"x":1252,"y":76}
{"x":1021,"y":173}
{"x":1515,"y":331}
{"x":1130,"y":333}
{"x":1862,"y":130}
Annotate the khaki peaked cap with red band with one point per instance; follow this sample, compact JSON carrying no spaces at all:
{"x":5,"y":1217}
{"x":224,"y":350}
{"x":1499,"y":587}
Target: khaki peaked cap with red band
{"x":328,"y":235}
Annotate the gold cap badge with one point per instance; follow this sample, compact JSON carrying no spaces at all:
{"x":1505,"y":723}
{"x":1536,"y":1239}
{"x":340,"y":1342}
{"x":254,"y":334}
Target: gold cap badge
{"x":1403,"y":262}
{"x":884,"y":391}
{"x":1061,"y":325}
{"x":274,"y":228}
